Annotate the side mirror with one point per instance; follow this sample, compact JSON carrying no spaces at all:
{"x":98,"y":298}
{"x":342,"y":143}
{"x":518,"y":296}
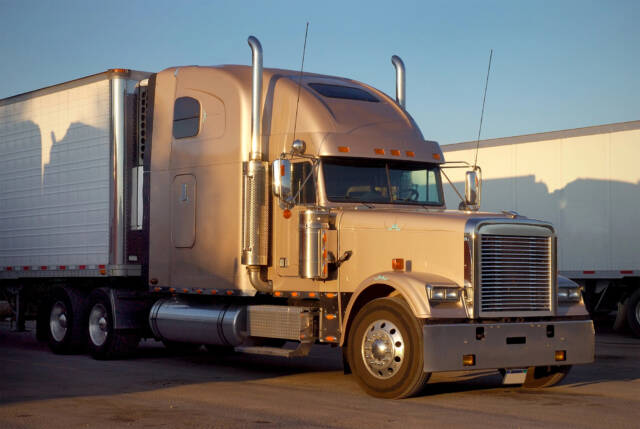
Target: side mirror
{"x":282,"y":179}
{"x":473,"y":189}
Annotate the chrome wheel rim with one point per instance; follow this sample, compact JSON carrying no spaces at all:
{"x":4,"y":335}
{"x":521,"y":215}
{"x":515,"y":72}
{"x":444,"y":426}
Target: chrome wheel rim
{"x":98,"y":325}
{"x":383,"y":349}
{"x":58,"y":321}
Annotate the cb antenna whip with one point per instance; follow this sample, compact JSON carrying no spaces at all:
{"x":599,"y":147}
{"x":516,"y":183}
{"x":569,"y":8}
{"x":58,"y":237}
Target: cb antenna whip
{"x":304,"y":50}
{"x":484,"y":98}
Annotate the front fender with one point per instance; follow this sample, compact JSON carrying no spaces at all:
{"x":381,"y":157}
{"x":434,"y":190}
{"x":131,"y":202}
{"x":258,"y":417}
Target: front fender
{"x":412,"y":287}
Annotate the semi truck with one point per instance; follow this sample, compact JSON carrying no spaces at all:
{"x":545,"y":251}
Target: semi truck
{"x":586,"y":183}
{"x":264,"y":211}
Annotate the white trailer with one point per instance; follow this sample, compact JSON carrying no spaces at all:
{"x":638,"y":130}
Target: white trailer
{"x":586,"y":182}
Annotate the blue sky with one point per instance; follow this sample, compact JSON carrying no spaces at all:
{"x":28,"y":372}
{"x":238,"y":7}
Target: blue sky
{"x":556,"y":65}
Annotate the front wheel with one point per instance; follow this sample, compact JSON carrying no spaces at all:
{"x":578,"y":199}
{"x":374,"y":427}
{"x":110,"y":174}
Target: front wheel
{"x":105,"y":342}
{"x":545,"y":376}
{"x":385,"y":349}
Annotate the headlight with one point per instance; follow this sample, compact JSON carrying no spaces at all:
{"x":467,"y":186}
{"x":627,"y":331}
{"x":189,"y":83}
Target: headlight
{"x":569,"y":294}
{"x":568,"y":290}
{"x":438,"y":293}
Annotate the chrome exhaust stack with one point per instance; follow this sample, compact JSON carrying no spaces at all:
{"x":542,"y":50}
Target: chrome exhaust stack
{"x":255,"y":209}
{"x":256,"y":96}
{"x":400,"y":80}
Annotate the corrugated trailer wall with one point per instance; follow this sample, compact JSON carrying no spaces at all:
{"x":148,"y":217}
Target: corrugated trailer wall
{"x":54,"y":178}
{"x":585,"y":181}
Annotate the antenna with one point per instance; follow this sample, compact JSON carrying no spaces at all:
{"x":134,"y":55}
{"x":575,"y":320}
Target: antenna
{"x":304,"y":50}
{"x":484,"y":97}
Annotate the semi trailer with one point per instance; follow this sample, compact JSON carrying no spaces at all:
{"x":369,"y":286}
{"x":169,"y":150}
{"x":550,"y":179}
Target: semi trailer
{"x":586,"y":182}
{"x":265,"y":211}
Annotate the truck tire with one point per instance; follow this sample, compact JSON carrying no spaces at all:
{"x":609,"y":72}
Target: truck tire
{"x":633,"y":312}
{"x":104,"y":341}
{"x":64,"y":328}
{"x":545,"y":376}
{"x":385,"y":349}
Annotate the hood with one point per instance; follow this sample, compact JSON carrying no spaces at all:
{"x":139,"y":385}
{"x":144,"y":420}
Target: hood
{"x":410,"y":219}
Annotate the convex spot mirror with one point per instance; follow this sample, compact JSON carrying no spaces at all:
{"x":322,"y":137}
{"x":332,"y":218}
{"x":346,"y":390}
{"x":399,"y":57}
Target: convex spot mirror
{"x":473,"y":189}
{"x":282,"y":179}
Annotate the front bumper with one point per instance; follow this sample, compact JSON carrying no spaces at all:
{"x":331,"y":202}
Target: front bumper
{"x":507,"y":345}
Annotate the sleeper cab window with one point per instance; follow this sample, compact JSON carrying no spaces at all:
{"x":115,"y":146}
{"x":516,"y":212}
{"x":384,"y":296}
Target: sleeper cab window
{"x":186,"y":117}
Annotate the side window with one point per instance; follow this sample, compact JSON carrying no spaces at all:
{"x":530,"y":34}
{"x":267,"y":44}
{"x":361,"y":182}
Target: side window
{"x":299,"y":172}
{"x":186,"y":117}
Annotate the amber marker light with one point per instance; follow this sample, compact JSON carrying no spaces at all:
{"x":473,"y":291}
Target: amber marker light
{"x":468,"y":360}
{"x":331,"y":295}
{"x":278,"y":293}
{"x":395,"y":152}
{"x":397,"y":264}
{"x":286,"y":214}
{"x":410,"y":153}
{"x":294,"y":294}
{"x":561,"y":355}
{"x":436,"y":156}
{"x":344,"y":149}
{"x":312,"y":294}
{"x":378,"y":151}
{"x":331,"y":339}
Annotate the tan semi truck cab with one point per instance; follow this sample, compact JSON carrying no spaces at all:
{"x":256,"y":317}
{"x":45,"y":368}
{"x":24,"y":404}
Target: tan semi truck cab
{"x":279,"y":206}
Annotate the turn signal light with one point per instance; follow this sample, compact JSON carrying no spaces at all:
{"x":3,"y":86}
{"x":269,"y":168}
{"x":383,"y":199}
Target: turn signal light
{"x":561,"y":355}
{"x":397,"y":264}
{"x":468,"y":360}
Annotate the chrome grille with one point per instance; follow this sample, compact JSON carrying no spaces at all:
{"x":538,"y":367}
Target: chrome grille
{"x":515,"y":273}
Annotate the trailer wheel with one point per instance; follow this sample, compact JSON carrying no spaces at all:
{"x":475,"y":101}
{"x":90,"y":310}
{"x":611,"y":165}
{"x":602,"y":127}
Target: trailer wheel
{"x":633,"y":312}
{"x":65,"y":323}
{"x":545,"y":376}
{"x":104,"y":341}
{"x":385,"y":349}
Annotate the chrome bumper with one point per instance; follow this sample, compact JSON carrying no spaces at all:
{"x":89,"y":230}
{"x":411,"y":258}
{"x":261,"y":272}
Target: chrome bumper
{"x":507,"y":345}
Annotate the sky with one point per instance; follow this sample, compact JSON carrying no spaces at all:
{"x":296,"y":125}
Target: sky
{"x":556,"y":64}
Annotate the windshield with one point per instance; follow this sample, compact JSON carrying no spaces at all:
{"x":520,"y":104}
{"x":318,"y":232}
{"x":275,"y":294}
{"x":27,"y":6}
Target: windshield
{"x":382,"y":181}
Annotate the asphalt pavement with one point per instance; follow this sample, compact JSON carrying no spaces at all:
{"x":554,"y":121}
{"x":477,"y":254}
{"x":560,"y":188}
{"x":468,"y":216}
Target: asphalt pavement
{"x":157,"y":388}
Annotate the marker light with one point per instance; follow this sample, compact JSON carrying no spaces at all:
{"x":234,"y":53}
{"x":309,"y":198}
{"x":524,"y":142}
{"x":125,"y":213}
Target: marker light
{"x":397,"y":264}
{"x":343,"y":149}
{"x":378,"y":151}
{"x":468,"y":360}
{"x":436,"y":156}
{"x":561,"y":355}
{"x":411,"y":153}
{"x":395,"y":152}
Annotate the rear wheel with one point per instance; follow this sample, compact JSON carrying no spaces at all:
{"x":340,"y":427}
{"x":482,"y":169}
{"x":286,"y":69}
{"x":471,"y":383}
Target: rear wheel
{"x":545,"y":376}
{"x":385,"y":349}
{"x":633,"y":312}
{"x":64,"y":330}
{"x":105,"y":342}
